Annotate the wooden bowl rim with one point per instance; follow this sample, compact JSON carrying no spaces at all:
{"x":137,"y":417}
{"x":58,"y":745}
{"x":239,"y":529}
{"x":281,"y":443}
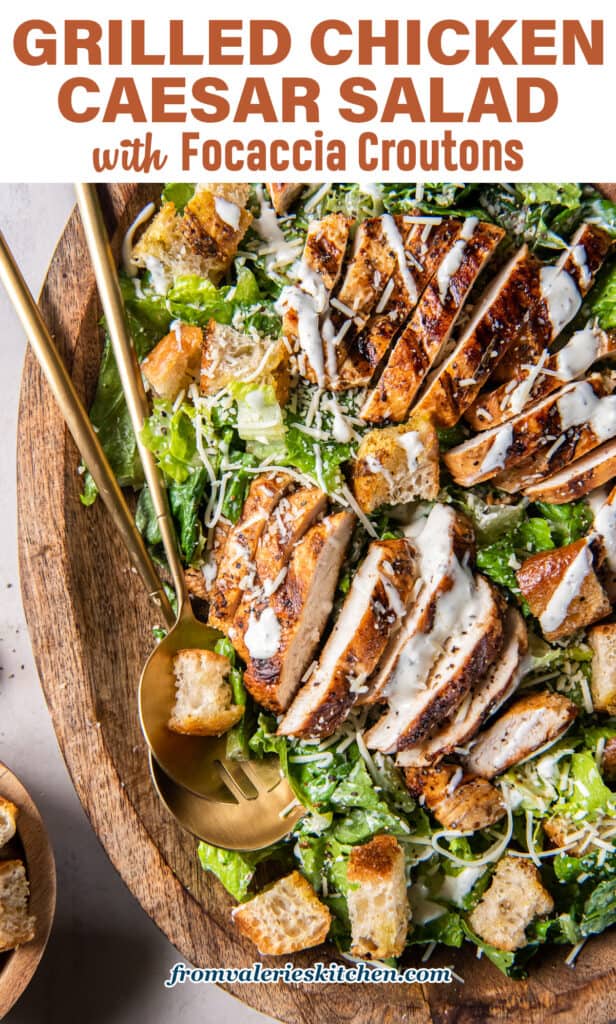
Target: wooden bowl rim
{"x":21,"y":964}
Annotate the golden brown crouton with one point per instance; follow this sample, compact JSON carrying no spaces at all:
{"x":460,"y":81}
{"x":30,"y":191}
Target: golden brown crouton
{"x":377,"y":898}
{"x":230,"y":356}
{"x":602,"y":639}
{"x":285,"y":918}
{"x":8,"y":820}
{"x":173,"y":365}
{"x":396,"y":465}
{"x":562,"y":588}
{"x":514,"y":899}
{"x":215,"y":221}
{"x":203,"y":240}
{"x":17,"y":926}
{"x":204,"y":701}
{"x":162,"y":247}
{"x":457,"y":800}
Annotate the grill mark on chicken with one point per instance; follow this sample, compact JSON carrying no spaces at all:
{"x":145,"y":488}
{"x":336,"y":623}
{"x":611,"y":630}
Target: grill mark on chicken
{"x":428,"y":330}
{"x":532,"y":432}
{"x":365,"y":623}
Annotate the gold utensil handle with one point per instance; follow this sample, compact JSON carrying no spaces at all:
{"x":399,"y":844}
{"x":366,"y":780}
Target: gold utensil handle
{"x":79,"y":424}
{"x":130,"y":373}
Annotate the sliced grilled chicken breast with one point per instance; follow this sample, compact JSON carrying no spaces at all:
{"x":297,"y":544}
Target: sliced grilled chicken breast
{"x":240,"y":545}
{"x":562,"y":588}
{"x":424,"y":255}
{"x":372,"y":612}
{"x":307,"y":321}
{"x":582,"y":414}
{"x":525,"y":727}
{"x":578,"y":479}
{"x":419,"y":699}
{"x":292,"y":517}
{"x":445,"y":545}
{"x":562,"y":288}
{"x":533,"y":382}
{"x":377,"y":275}
{"x":431,"y":325}
{"x":496,"y":324}
{"x":284,"y":194}
{"x":486,"y":696}
{"x":284,"y":633}
{"x":458,"y":801}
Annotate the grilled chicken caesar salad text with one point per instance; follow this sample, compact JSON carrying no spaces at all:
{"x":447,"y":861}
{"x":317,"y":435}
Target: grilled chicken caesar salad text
{"x":387,"y":420}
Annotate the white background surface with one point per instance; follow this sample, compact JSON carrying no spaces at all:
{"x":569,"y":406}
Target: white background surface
{"x":106,"y":961}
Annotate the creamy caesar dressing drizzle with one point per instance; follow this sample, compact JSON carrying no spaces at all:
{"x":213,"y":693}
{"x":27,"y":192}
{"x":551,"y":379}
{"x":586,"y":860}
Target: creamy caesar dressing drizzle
{"x":437,"y":562}
{"x":277,"y":251}
{"x":342,"y":431}
{"x":375,"y":466}
{"x":228,"y":212}
{"x":497,"y":453}
{"x":521,"y":394}
{"x":308,"y":326}
{"x":130,"y":267}
{"x":413,"y":447}
{"x":456,"y":887}
{"x":452,"y":261}
{"x":579,"y":353}
{"x":161,"y":279}
{"x":262,"y":638}
{"x":568,"y":589}
{"x":581,"y":405}
{"x":561,"y":296}
{"x":580,"y":258}
{"x":394,"y":240}
{"x":423,"y":909}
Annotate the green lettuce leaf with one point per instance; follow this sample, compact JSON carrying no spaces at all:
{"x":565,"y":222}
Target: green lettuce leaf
{"x":301,"y":454}
{"x":600,"y":909}
{"x":178,"y":193}
{"x":236,"y":870}
{"x":603,"y":300}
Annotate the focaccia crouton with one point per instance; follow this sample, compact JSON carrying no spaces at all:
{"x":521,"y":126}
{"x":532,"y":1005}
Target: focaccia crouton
{"x":214,"y":222}
{"x":285,"y":918}
{"x":602,"y":639}
{"x":173,"y":365}
{"x":230,"y":356}
{"x":514,"y":899}
{"x":8,"y":820}
{"x":377,"y":898}
{"x":17,"y":926}
{"x":396,"y":465}
{"x":203,"y":240}
{"x":204,"y":701}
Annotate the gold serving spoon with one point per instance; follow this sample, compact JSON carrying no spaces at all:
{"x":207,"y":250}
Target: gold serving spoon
{"x":241,"y":804}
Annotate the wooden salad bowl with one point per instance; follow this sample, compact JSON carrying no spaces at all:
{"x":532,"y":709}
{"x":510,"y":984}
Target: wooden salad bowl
{"x":17,"y":967}
{"x":91,"y":628}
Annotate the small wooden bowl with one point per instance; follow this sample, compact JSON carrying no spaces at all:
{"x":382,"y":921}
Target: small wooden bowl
{"x":17,"y":967}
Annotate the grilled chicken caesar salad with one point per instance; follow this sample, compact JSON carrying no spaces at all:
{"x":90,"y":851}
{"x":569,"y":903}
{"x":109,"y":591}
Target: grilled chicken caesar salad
{"x":386,"y":416}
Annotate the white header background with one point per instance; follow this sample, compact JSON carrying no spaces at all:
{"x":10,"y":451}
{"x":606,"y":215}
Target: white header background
{"x":38,"y":144}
